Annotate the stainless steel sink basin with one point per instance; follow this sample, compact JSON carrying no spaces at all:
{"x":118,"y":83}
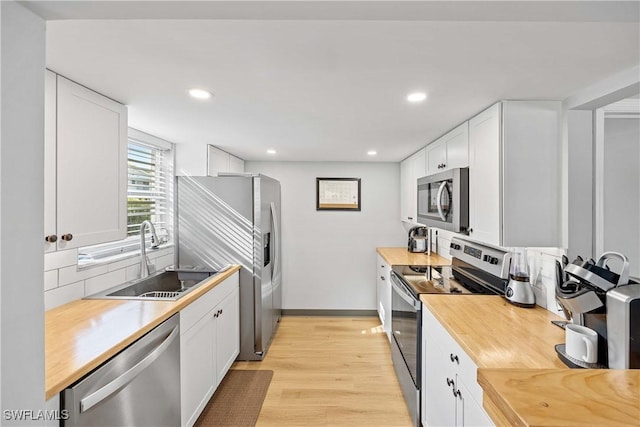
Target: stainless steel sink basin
{"x":168,"y":285}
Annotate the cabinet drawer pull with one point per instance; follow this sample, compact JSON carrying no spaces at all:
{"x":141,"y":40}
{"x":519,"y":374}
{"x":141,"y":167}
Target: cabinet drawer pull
{"x":450,"y":382}
{"x":51,"y":238}
{"x":410,"y":217}
{"x":382,"y":277}
{"x":456,"y":393}
{"x":454,"y":358}
{"x":67,"y":237}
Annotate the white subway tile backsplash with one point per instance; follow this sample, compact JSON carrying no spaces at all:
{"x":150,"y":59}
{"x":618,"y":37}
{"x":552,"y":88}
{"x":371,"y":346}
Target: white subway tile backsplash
{"x":124,"y":263}
{"x":55,"y":260}
{"x":63,"y":282}
{"x":50,"y":279}
{"x":72,"y":274}
{"x":163,"y":262}
{"x":62,"y":295}
{"x":133,"y":272}
{"x":157,"y":253}
{"x":104,"y":281}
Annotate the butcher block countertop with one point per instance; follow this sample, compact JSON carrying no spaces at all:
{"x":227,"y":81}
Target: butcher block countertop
{"x":83,"y":334}
{"x":524,"y":382}
{"x":564,"y":397}
{"x":401,"y":256}
{"x":497,"y":334}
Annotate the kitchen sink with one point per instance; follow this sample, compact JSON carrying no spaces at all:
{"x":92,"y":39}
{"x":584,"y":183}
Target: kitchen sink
{"x":168,"y":285}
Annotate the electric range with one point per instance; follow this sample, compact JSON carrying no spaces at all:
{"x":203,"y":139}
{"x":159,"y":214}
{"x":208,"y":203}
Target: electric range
{"x":476,"y":269}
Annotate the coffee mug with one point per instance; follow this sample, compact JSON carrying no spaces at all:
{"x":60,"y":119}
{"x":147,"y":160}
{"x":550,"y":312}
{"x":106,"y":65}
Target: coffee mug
{"x":581,"y":343}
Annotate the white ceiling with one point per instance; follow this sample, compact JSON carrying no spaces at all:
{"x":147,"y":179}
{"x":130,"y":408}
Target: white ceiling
{"x":332,"y":89}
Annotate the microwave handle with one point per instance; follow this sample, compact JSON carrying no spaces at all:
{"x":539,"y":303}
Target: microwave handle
{"x":443,"y":184}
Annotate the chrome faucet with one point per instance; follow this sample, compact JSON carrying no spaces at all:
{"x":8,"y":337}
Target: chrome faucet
{"x":145,"y":266}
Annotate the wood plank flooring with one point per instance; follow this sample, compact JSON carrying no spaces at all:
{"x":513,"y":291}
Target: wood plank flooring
{"x":330,"y":371}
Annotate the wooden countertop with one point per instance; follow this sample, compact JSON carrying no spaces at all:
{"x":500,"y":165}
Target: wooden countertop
{"x":83,"y":334}
{"x":497,"y":334}
{"x":401,"y":256}
{"x":524,"y":382}
{"x":564,"y":397}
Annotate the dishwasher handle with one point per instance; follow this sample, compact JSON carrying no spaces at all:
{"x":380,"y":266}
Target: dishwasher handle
{"x":129,"y":375}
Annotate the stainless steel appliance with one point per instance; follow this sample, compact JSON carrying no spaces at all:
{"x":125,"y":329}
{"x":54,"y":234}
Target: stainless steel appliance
{"x":140,"y":386}
{"x":594,"y":296}
{"x":475,"y":269}
{"x":443,"y":200}
{"x":519,"y":291}
{"x":623,"y":327}
{"x":235,"y":219}
{"x":419,"y":240}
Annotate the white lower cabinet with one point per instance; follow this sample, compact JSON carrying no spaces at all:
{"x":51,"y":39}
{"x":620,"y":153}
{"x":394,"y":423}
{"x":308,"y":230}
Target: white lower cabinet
{"x":209,"y":343}
{"x":384,"y":294}
{"x":451,"y":395}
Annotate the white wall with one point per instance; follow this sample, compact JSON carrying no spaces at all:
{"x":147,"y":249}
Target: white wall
{"x":21,"y":206}
{"x":621,"y":228}
{"x":328,"y":257}
{"x":580,"y":184}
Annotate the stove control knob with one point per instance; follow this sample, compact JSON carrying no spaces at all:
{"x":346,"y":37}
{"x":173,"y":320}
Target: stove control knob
{"x":455,"y":246}
{"x":486,"y":258}
{"x":494,"y":261}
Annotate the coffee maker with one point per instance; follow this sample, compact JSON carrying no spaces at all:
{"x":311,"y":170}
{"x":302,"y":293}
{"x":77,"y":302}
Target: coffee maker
{"x":419,"y":240}
{"x":592,"y":295}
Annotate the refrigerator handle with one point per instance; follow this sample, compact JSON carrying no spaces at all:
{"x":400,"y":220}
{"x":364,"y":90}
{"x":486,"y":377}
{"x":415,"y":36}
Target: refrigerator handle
{"x":276,"y":241}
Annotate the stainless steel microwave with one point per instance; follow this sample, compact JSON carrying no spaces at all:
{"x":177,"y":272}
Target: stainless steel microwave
{"x":443,"y":200}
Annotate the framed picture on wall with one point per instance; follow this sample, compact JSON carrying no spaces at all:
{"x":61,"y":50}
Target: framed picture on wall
{"x":338,"y":194}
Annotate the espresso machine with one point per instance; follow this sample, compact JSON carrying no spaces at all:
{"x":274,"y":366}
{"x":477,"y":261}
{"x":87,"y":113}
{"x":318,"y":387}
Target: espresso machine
{"x":592,"y":295}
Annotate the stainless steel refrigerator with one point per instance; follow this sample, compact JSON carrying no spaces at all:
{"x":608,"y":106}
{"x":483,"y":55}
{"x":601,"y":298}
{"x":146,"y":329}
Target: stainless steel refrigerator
{"x":235,"y":219}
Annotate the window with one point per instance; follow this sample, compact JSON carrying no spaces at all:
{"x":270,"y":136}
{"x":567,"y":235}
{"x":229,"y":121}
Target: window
{"x":149,"y":197}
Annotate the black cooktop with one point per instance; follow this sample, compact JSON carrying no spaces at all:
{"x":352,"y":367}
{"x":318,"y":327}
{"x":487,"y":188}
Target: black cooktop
{"x":446,"y":280}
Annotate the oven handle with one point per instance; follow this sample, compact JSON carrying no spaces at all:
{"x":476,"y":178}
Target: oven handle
{"x":443,"y":184}
{"x":403,"y":293}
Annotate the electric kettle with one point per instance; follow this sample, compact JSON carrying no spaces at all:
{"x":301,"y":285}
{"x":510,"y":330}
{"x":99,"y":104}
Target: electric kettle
{"x":418,"y":240}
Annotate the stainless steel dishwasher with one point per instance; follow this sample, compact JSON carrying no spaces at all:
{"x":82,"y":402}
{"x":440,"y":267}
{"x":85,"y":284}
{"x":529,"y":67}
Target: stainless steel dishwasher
{"x":140,"y":386}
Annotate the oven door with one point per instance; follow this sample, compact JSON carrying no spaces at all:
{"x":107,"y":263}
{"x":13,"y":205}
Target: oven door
{"x":405,"y":325}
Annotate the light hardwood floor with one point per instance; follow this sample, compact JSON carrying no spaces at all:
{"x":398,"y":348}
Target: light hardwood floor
{"x":331,"y":371}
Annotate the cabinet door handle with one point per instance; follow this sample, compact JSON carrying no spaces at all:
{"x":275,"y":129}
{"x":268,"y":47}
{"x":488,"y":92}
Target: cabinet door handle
{"x":456,"y":393}
{"x":382,"y":277}
{"x":221,"y":311}
{"x":410,"y":217}
{"x":67,"y":237}
{"x":450,"y":382}
{"x":470,"y":230}
{"x":454,"y":358}
{"x":52,"y":238}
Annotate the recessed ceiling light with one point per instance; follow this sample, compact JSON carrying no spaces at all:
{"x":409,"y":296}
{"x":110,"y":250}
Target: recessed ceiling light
{"x":271,"y":151}
{"x":199,"y":93}
{"x":372,"y":152}
{"x":416,"y":97}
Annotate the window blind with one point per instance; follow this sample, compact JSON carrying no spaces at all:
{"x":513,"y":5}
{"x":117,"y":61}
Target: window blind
{"x":148,"y":195}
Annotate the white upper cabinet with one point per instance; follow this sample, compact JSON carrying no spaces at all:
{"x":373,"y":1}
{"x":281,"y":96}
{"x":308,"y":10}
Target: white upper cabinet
{"x":449,"y":151}
{"x":50,"y":233}
{"x":221,"y":161}
{"x":85,"y":166}
{"x":411,"y":169}
{"x":514,"y":174}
